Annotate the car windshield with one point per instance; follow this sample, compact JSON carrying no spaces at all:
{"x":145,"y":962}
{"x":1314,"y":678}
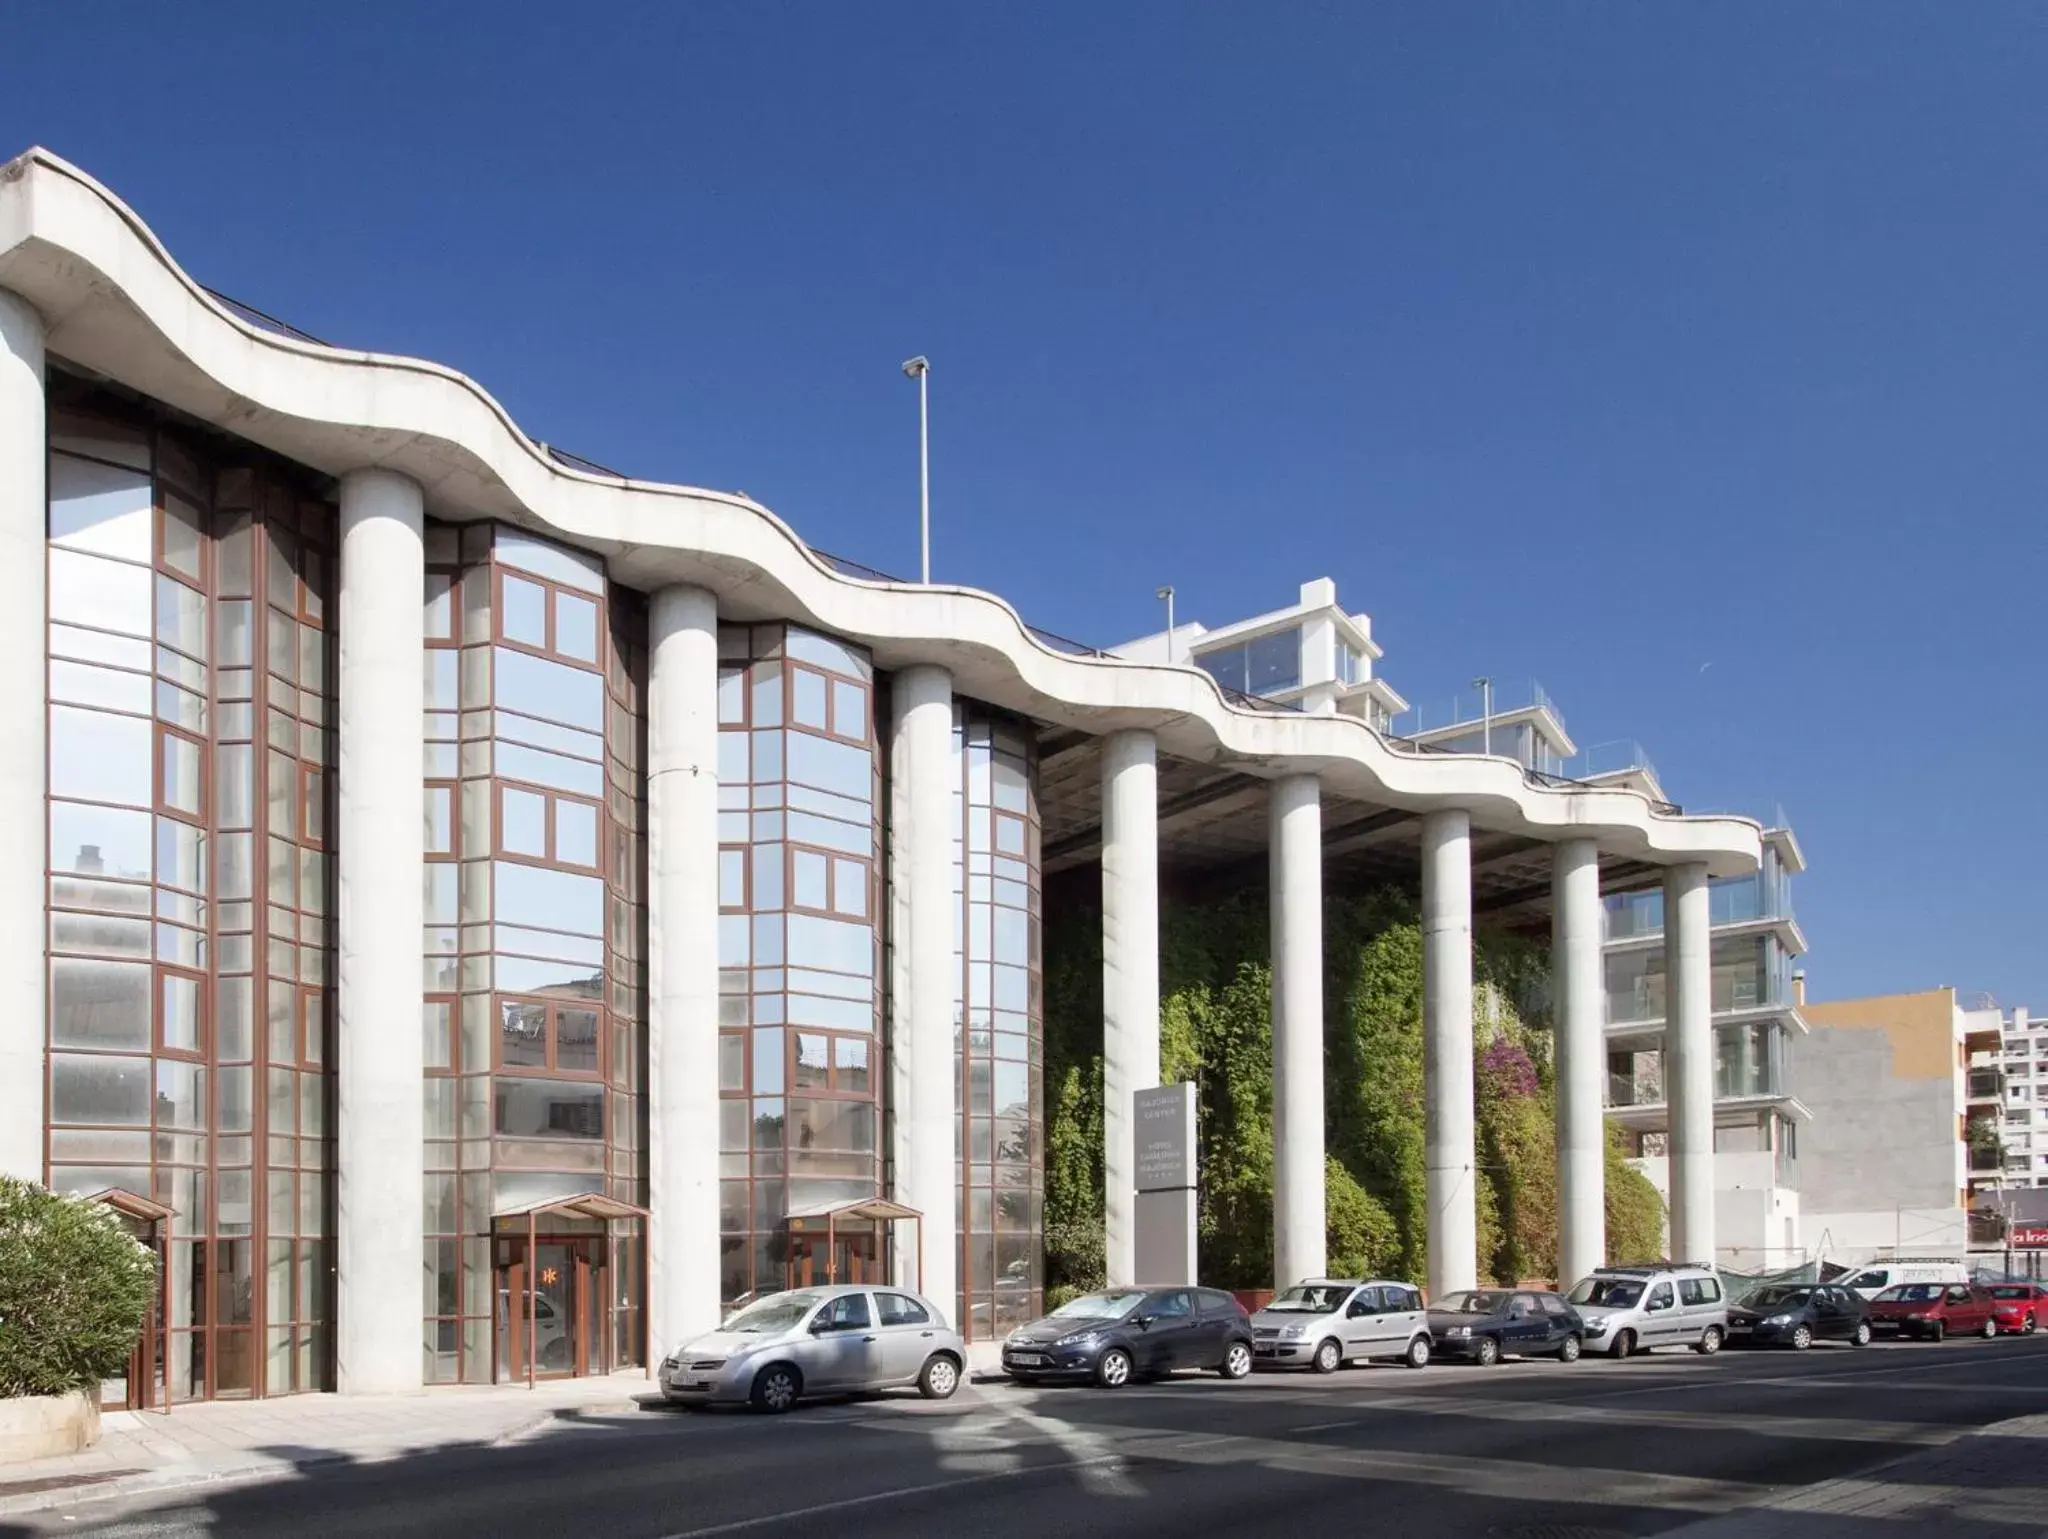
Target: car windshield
{"x":1777,"y":1298}
{"x":777,"y":1312}
{"x":1867,"y":1280}
{"x":1911,"y":1293}
{"x":2012,"y":1293}
{"x":1311,"y":1299}
{"x":1097,"y":1306}
{"x":1479,"y":1303}
{"x":1608,"y":1292}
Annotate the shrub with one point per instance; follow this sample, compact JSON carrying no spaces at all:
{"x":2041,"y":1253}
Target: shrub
{"x":75,"y":1288}
{"x":1360,"y":1234}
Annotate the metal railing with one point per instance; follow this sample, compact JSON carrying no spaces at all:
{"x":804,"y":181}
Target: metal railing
{"x":1468,"y":707}
{"x":263,"y":319}
{"x":1617,"y":757}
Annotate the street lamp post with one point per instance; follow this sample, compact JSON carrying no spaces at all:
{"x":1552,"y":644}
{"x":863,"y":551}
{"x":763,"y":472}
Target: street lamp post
{"x":1485,"y":687}
{"x":1167,"y":594}
{"x":920,"y":369}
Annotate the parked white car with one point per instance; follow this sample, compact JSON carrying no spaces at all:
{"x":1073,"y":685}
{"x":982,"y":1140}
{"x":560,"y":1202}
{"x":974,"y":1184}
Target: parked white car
{"x":1880,"y":1275}
{"x":1631,"y":1309}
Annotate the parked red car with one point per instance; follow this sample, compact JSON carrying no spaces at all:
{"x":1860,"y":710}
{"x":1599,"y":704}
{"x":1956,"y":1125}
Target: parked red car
{"x":2019,"y":1306}
{"x":1935,"y":1310}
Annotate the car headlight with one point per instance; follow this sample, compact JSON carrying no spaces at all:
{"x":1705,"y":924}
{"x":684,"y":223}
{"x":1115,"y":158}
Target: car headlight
{"x":1779,"y":1320}
{"x":1459,"y":1330}
{"x":1293,"y":1332}
{"x":670,"y":1362}
{"x":1918,"y":1315}
{"x":1077,"y":1339}
{"x":1596,"y":1327}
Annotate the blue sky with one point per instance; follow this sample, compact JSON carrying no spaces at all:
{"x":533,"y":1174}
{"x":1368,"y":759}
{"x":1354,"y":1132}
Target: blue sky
{"x":1591,"y":344}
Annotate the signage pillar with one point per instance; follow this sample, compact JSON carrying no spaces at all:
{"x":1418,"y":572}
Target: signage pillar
{"x":1163,"y":1120}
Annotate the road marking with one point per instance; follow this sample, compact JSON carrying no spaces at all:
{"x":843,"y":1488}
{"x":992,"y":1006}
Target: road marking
{"x":872,"y":1498}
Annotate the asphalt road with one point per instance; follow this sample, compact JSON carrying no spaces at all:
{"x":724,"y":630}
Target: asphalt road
{"x":1527,"y":1450}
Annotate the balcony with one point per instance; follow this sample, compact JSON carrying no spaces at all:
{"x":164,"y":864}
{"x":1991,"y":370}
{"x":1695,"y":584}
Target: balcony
{"x":1986,"y":1162}
{"x":1986,"y":1084}
{"x":1623,"y":756}
{"x":1468,"y":708}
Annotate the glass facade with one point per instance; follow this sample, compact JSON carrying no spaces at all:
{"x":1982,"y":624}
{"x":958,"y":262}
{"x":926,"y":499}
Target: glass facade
{"x":1763,"y":894}
{"x":1750,"y":972}
{"x":1264,"y":665}
{"x":999,"y":1030}
{"x":535,"y":942}
{"x":799,"y":955}
{"x":190,"y":890}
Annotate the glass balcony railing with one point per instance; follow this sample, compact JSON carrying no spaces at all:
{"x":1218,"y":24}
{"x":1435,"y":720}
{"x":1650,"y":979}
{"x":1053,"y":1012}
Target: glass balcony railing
{"x":1615,"y":758}
{"x":1469,"y":707}
{"x":1987,"y":1084}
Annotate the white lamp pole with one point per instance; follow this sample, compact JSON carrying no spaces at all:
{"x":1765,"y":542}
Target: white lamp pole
{"x":1485,"y":687}
{"x":920,"y":369}
{"x":1167,"y":594}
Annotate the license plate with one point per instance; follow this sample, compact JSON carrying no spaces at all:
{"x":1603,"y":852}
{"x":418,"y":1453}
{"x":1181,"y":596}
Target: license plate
{"x":1028,"y":1359}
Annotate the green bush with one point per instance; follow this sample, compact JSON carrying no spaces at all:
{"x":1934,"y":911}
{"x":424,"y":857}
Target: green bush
{"x":1635,"y":1213}
{"x":75,"y":1288}
{"x":1360,"y":1235}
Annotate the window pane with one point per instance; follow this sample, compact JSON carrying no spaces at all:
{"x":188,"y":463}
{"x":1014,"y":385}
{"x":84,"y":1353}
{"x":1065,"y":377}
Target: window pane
{"x":100,"y":509}
{"x":552,"y":691}
{"x":732,"y":696}
{"x":316,"y":805}
{"x":99,"y":1004}
{"x":575,"y":833}
{"x":523,"y":822}
{"x":813,"y":1063}
{"x":440,"y":605}
{"x":732,"y":878}
{"x":99,"y":757}
{"x":180,"y":617}
{"x":810,"y":871}
{"x":1273,"y":662}
{"x":576,"y":1041}
{"x":105,"y":687}
{"x":181,"y":1014}
{"x":850,"y":888}
{"x":181,"y":774}
{"x":112,"y":1092}
{"x":808,"y":705}
{"x":99,"y":841}
{"x":525,"y":612}
{"x":850,"y":1057}
{"x":550,"y":561}
{"x":576,"y":627}
{"x":541,"y":1108}
{"x":849,"y":709}
{"x":522,"y":1035}
{"x":440,"y":820}
{"x":102,"y":594}
{"x":732,"y":1062}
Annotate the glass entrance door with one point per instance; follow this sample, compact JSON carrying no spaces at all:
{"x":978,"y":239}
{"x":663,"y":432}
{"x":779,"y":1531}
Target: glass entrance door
{"x":549,"y":1306}
{"x":141,"y":1386}
{"x":840,"y":1258}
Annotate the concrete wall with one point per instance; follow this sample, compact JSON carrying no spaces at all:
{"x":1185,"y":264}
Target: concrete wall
{"x":1881,"y":1078}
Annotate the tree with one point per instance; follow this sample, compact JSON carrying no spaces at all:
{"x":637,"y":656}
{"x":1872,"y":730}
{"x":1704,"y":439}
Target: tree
{"x":1635,"y":1213}
{"x":1360,"y":1236}
{"x":75,"y":1288}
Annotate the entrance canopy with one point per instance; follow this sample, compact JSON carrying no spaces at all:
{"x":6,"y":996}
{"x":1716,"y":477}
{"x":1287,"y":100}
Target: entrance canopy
{"x":130,"y":1205}
{"x":880,"y":1209}
{"x":590,"y":1205}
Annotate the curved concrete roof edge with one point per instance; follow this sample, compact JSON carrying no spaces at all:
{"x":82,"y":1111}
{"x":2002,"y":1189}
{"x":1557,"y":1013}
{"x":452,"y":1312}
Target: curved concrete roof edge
{"x":117,"y":302}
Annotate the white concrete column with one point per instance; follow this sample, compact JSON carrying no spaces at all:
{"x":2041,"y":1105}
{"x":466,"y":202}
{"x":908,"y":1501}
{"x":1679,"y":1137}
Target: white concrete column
{"x":380,"y":1125}
{"x":1689,"y":1061}
{"x":24,"y":525}
{"x":1578,"y":988}
{"x":926,"y":918}
{"x":682,"y":967}
{"x":1130,"y":977}
{"x":1449,"y":1154}
{"x":1295,"y":850}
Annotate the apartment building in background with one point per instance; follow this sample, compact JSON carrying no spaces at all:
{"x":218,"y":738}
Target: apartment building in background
{"x":1906,"y":1102}
{"x":2022,"y":1072}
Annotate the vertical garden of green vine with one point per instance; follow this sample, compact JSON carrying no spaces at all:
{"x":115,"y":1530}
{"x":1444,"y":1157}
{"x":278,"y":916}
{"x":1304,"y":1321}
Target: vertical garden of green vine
{"x":1216,"y":1031}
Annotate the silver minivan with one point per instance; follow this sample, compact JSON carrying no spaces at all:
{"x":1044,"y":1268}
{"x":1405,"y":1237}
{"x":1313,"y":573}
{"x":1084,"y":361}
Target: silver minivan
{"x":1630,"y":1309}
{"x":818,"y":1341}
{"x":1325,"y":1322}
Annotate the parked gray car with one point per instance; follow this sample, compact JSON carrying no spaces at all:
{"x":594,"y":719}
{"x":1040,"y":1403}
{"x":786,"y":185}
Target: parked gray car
{"x":1631,"y":1309}
{"x":1326,"y":1322}
{"x":818,"y":1341}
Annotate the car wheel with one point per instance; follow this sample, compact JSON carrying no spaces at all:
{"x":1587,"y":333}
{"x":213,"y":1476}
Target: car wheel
{"x":1624,"y":1345}
{"x":1861,"y":1338}
{"x":1990,"y":1330}
{"x":1802,"y":1337}
{"x":1329,"y":1357}
{"x":1417,"y":1355}
{"x":1568,"y":1350}
{"x":1237,"y":1361}
{"x":1113,"y":1368}
{"x":940,"y":1378}
{"x":1486,"y":1351}
{"x":1709,"y":1342}
{"x":2032,"y":1325}
{"x":1938,"y":1330}
{"x":776,"y":1388}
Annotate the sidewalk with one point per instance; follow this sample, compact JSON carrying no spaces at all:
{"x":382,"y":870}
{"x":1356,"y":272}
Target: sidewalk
{"x":1988,"y":1484}
{"x":232,"y":1440}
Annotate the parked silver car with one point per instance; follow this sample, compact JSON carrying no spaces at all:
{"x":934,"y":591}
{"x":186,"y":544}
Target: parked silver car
{"x":818,"y":1341}
{"x":1630,"y":1309}
{"x":1324,"y":1323}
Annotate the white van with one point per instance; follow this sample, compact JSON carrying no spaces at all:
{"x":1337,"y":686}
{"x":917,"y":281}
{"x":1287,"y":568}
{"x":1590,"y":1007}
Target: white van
{"x":1880,"y":1275}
